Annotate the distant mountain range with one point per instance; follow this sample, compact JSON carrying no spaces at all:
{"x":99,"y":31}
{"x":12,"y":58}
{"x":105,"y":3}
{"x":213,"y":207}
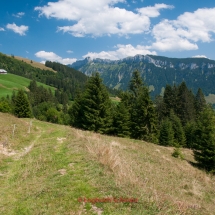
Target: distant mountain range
{"x":156,"y":71}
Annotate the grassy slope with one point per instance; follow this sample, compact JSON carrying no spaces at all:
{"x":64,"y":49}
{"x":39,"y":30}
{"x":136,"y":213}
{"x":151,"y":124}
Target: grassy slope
{"x":54,"y":165}
{"x":10,"y":82}
{"x":34,"y":63}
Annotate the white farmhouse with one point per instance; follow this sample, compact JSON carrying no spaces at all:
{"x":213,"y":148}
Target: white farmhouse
{"x":2,"y":71}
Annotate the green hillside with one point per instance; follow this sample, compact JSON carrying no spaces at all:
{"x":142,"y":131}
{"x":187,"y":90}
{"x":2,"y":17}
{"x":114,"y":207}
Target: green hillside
{"x":51,"y":169}
{"x":64,"y":79}
{"x":10,"y":82}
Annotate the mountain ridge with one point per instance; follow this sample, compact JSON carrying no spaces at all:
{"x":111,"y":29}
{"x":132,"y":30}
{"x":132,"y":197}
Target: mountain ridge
{"x":157,"y":71}
{"x":154,"y":59}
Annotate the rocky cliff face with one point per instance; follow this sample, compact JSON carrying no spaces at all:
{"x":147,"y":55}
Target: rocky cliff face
{"x":156,"y":71}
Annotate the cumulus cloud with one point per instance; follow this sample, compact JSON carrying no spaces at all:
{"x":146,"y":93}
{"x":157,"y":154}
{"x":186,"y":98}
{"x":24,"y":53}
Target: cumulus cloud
{"x":51,"y":56}
{"x":155,"y":10}
{"x":19,"y":15}
{"x":2,"y":29}
{"x":199,"y":56}
{"x":184,"y":32}
{"x":121,"y":51}
{"x":17,"y":29}
{"x":100,"y":17}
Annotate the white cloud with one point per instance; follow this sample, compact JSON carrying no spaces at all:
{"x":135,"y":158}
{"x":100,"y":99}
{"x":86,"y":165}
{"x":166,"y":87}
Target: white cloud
{"x":17,"y":29}
{"x":155,"y":10}
{"x":184,"y":32}
{"x":100,"y":17}
{"x":51,"y":56}
{"x":199,"y":56}
{"x":121,"y":51}
{"x":19,"y":15}
{"x":69,"y":51}
{"x":2,"y":29}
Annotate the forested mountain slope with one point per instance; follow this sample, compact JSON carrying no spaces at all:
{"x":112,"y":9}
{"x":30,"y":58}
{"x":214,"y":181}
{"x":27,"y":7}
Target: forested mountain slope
{"x":157,"y":71}
{"x":65,"y":79}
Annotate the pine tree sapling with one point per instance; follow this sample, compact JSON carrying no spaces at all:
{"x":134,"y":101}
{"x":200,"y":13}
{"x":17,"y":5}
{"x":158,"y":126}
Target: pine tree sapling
{"x":177,"y":153}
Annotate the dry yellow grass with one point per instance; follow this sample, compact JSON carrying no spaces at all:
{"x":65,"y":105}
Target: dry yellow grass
{"x":210,"y":98}
{"x":34,"y":63}
{"x":150,"y":172}
{"x":111,"y":167}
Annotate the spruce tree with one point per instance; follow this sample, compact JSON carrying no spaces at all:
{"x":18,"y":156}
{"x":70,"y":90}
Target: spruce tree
{"x":200,"y":102}
{"x":75,"y":111}
{"x":189,"y":130}
{"x":5,"y":105}
{"x":121,"y":121}
{"x":179,"y":135}
{"x":142,"y":111}
{"x":160,"y":108}
{"x":166,"y":136}
{"x":204,"y":148}
{"x":185,"y":104}
{"x":94,"y":107}
{"x":22,"y":106}
{"x":169,"y":99}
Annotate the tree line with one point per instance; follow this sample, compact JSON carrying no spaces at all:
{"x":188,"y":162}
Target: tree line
{"x":178,"y":118}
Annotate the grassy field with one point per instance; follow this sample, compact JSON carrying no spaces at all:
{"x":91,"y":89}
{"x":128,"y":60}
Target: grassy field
{"x":10,"y":82}
{"x":115,"y":99}
{"x":51,"y":168}
{"x":210,"y":98}
{"x":34,"y":63}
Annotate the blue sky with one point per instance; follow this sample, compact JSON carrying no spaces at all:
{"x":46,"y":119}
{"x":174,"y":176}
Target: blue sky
{"x":70,"y":30}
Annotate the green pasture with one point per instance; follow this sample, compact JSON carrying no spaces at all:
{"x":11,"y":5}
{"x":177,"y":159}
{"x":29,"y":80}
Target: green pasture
{"x":10,"y":82}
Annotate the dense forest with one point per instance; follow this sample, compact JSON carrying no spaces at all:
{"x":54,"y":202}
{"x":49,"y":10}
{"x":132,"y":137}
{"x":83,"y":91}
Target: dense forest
{"x":66,"y":79}
{"x":156,"y":71}
{"x":178,"y":118}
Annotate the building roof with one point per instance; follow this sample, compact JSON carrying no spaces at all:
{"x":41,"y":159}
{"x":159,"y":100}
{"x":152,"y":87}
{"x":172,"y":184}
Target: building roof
{"x":3,"y":71}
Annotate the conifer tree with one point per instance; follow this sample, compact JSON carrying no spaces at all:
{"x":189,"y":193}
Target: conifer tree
{"x":189,"y":130}
{"x":136,"y":83}
{"x":166,"y":136}
{"x":160,"y":108}
{"x":204,"y":148}
{"x":179,"y":135}
{"x":94,"y":107}
{"x":200,"y":102}
{"x":142,"y":111}
{"x":75,"y":112}
{"x":22,"y":105}
{"x":185,"y":104}
{"x":121,"y":121}
{"x":5,"y":105}
{"x":169,"y":99}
